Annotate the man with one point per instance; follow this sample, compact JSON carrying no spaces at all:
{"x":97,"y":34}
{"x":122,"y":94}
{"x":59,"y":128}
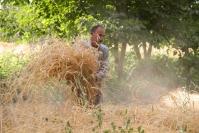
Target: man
{"x":97,"y":35}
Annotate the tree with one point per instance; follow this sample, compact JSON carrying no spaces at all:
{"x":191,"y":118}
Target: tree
{"x":142,"y":24}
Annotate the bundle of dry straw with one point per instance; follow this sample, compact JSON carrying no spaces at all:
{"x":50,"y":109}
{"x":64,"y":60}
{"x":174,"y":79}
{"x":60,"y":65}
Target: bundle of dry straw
{"x":60,"y":61}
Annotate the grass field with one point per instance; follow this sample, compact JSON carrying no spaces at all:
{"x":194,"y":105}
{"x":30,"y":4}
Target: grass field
{"x":148,"y":109}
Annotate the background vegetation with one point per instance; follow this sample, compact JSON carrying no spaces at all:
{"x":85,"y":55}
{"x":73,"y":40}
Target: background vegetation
{"x":144,"y":26}
{"x":154,"y":47}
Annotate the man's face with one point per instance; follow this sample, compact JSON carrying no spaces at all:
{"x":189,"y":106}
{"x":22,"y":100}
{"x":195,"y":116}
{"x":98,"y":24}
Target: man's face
{"x":97,"y":36}
{"x":101,"y":33}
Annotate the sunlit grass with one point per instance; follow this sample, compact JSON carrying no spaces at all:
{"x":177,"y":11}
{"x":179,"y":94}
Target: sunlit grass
{"x":10,"y":63}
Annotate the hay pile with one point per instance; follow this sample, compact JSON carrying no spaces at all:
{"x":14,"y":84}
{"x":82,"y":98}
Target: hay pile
{"x":61,"y":62}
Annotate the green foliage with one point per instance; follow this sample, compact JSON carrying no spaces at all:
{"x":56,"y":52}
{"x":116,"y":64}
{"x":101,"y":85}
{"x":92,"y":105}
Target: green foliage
{"x":8,"y":24}
{"x":130,"y":21}
{"x":45,"y":17}
{"x":99,"y":119}
{"x":130,"y":62}
{"x":133,"y":22}
{"x":125,"y":128}
{"x":189,"y":70}
{"x":19,"y":23}
{"x":68,"y":128}
{"x":10,"y":63}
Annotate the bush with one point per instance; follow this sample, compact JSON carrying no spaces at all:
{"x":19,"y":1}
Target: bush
{"x":10,"y":63}
{"x":189,"y":71}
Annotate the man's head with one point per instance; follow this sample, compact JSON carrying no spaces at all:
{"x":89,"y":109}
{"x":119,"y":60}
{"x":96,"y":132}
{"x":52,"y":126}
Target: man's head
{"x":97,"y":35}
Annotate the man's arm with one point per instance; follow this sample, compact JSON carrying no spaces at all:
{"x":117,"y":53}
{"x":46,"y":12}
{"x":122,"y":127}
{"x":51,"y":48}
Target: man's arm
{"x":103,"y":69}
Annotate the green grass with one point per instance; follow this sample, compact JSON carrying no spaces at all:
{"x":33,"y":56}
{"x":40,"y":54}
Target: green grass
{"x":10,"y":63}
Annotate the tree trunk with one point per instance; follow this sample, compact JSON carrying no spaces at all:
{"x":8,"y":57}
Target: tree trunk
{"x":145,"y":50}
{"x":119,"y":57}
{"x":116,"y":56}
{"x":121,"y":61}
{"x":137,"y":52}
{"x":149,"y":51}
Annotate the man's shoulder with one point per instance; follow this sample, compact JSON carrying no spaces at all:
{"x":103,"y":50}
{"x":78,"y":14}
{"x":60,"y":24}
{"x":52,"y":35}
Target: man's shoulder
{"x":104,"y":48}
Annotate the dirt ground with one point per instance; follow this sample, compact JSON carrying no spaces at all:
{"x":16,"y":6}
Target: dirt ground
{"x":174,"y":113}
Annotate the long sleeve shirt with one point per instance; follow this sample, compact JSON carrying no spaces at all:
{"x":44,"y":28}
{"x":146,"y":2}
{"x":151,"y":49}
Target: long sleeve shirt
{"x":103,"y":59}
